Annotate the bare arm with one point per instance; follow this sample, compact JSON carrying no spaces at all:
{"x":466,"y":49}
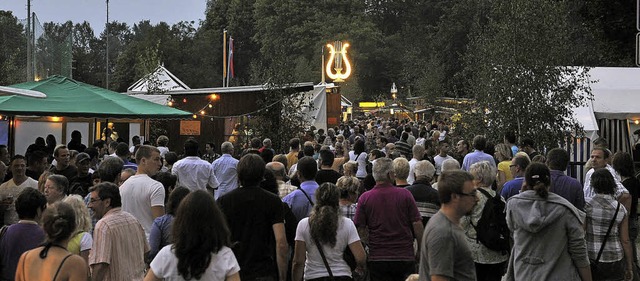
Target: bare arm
{"x":625,"y":200}
{"x":439,"y":278}
{"x":151,"y":276}
{"x":585,"y":273}
{"x":157,"y":211}
{"x":626,"y":247}
{"x":99,"y":271}
{"x":359,"y":254}
{"x":85,"y":255}
{"x":233,"y":277}
{"x":281,"y":250}
{"x":299,"y":257}
{"x":418,"y":229}
{"x":502,"y":178}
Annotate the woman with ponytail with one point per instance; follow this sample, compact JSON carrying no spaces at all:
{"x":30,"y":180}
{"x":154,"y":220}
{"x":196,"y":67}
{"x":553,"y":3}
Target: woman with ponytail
{"x":328,"y":229}
{"x":548,"y":237}
{"x":52,"y":261}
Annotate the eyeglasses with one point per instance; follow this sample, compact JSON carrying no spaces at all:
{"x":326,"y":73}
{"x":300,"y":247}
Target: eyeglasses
{"x":470,"y":194}
{"x":92,"y":200}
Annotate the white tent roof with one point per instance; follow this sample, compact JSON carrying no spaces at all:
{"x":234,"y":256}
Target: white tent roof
{"x":170,"y":81}
{"x":616,"y":92}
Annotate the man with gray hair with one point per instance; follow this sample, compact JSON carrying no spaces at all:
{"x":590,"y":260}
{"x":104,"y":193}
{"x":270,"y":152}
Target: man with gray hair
{"x":266,"y":144}
{"x":225,"y":170}
{"x":426,"y":197}
{"x":447,"y":165}
{"x":278,"y":170}
{"x":391,"y":219}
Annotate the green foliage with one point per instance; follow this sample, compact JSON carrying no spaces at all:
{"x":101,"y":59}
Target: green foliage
{"x":13,"y":55}
{"x":517,"y":71}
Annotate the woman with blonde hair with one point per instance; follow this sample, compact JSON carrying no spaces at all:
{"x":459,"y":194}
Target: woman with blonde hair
{"x":348,"y":187}
{"x":322,"y":238}
{"x":350,"y":168}
{"x":52,"y":260}
{"x":503,"y":154}
{"x":342,"y":156}
{"x":42,"y":180}
{"x":81,"y":240}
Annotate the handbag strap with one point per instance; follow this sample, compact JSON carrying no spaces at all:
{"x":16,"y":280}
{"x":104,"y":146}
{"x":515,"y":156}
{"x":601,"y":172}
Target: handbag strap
{"x":307,"y":195}
{"x":608,"y":232}
{"x":324,"y":259}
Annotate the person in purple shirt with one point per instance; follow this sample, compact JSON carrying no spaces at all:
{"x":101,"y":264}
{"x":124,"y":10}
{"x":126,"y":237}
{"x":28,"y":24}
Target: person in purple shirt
{"x":479,"y":144}
{"x":518,"y":165}
{"x":391,"y":218}
{"x":561,"y":184}
{"x":24,"y":235}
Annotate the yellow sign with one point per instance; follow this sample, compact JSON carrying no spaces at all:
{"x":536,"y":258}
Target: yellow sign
{"x":189,"y":128}
{"x":338,"y":56}
{"x":371,"y":104}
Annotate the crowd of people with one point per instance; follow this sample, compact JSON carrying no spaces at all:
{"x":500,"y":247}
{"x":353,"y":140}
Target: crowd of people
{"x":369,"y":200}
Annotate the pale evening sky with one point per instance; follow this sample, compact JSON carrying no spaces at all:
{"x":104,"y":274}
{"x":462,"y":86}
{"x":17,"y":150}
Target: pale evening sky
{"x":94,"y":11}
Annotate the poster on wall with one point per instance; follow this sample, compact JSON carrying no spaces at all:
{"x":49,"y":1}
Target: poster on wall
{"x":189,"y":128}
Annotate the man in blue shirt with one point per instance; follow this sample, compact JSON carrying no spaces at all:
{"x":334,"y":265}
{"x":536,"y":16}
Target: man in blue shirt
{"x":479,"y":144}
{"x":518,"y":166}
{"x":561,"y":184}
{"x":225,"y":170}
{"x":301,"y":199}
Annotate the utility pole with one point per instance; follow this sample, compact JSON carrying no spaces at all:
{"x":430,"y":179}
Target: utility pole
{"x":107,"y":34}
{"x":29,"y":73}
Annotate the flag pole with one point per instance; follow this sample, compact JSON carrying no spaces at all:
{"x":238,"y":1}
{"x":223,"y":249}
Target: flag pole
{"x":230,"y":57}
{"x":224,"y":57}
{"x":322,"y":81}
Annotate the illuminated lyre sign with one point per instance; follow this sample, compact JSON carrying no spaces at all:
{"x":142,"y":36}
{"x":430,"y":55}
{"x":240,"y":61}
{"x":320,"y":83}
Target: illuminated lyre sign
{"x":338,"y":57}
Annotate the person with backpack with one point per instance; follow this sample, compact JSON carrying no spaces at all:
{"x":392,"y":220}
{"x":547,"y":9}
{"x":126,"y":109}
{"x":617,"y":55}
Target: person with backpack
{"x":485,"y":228}
{"x":548,"y":235}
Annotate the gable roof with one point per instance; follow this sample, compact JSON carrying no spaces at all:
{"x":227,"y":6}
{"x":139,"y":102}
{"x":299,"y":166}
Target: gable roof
{"x":169,"y":81}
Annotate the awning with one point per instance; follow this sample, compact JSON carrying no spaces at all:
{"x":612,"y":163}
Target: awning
{"x":70,"y":98}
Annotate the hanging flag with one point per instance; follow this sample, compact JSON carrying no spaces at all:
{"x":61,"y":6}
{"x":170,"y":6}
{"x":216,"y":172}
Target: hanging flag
{"x":231,"y":71}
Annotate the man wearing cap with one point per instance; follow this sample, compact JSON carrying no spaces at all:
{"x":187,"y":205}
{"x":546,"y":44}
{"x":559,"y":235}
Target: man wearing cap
{"x":82,"y":181}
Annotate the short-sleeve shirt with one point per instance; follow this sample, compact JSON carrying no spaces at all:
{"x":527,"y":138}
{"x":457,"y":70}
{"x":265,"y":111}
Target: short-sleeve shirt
{"x":388,"y":213}
{"x":119,"y":241}
{"x":445,"y":251}
{"x":251,"y":213}
{"x":139,"y":193}
{"x":600,"y":210}
{"x":314,"y":266}
{"x":9,"y":188}
{"x":195,"y":173}
{"x":222,"y":264}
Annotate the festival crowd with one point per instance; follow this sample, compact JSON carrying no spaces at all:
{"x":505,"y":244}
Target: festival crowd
{"x":371,"y":199}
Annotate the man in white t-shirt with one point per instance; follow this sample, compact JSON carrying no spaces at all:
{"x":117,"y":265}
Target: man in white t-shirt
{"x":142,"y":196}
{"x":193,"y":172}
{"x":10,"y":190}
{"x":443,"y":148}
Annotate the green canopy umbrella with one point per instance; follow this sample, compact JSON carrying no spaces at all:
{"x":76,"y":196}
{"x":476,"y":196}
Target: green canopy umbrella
{"x":71,"y":98}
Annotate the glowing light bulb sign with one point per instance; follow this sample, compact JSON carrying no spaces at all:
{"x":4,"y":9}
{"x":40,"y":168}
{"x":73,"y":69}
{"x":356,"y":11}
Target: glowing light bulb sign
{"x":338,"y":59}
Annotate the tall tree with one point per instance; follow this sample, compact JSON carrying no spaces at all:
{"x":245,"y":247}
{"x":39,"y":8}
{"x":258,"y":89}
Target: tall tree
{"x":13,"y":54}
{"x":519,"y":74}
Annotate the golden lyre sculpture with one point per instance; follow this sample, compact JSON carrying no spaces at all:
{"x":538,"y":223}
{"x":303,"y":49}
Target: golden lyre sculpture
{"x":338,"y":59}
